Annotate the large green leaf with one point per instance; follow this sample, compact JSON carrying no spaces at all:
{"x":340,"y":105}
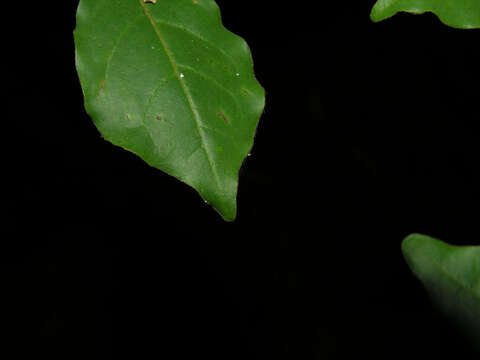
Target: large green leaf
{"x":452,"y":276}
{"x":464,"y":14}
{"x":165,"y":80}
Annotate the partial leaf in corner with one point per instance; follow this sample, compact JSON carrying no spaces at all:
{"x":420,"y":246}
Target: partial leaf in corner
{"x":166,"y":81}
{"x":463,"y":14}
{"x":451,"y":274}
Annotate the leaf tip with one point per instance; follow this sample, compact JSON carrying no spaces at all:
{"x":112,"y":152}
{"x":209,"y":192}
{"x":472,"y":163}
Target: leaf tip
{"x":225,"y":207}
{"x":374,"y":16}
{"x":228,"y":214}
{"x":412,"y":243}
{"x":407,"y":241}
{"x":377,"y":13}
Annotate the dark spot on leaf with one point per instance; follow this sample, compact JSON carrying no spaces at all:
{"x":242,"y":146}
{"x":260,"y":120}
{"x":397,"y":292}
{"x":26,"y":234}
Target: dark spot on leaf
{"x":246,"y":92}
{"x":102,"y":85}
{"x":128,"y":117}
{"x":159,"y":118}
{"x":222,"y":115}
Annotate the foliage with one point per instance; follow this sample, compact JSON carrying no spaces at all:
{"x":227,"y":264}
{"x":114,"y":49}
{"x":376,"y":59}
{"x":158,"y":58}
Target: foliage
{"x":464,"y":14}
{"x":165,"y":80}
{"x":452,"y":276}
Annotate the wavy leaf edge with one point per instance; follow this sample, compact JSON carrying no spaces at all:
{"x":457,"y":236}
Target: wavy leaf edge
{"x":463,"y":15}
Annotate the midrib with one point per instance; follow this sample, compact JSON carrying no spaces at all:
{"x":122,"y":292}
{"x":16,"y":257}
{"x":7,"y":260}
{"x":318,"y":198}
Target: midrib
{"x":186,"y":92}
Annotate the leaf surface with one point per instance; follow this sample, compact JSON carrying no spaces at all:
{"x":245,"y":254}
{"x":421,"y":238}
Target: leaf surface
{"x":166,"y":81}
{"x":463,"y":14}
{"x":451,"y":274}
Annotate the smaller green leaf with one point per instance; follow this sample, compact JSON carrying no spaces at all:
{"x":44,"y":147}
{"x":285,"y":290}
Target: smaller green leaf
{"x":463,"y":14}
{"x":451,"y":274}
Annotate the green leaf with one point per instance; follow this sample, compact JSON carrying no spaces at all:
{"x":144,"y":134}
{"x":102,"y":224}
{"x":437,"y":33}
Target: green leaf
{"x":463,"y":14}
{"x":452,"y":276}
{"x":166,"y":81}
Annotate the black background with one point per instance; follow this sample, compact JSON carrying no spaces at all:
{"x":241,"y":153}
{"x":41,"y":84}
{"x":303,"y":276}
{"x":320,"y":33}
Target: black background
{"x":369,"y":134}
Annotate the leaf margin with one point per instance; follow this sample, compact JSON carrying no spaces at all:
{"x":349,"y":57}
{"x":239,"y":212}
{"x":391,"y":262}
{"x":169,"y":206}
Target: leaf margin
{"x":384,"y":9}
